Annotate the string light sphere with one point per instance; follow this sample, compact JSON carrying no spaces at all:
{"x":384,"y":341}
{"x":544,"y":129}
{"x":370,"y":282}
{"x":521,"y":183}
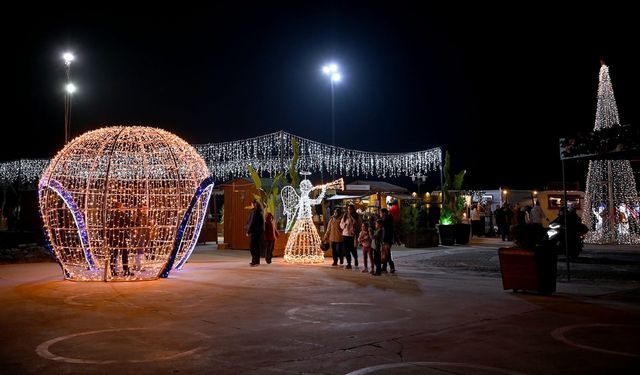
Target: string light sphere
{"x":124,"y":203}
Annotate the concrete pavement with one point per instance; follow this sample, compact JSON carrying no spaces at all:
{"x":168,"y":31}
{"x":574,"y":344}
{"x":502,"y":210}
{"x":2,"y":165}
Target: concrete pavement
{"x":444,"y":311}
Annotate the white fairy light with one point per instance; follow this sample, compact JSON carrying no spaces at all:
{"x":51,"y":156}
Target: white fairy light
{"x":124,"y":203}
{"x":24,"y":171}
{"x":611,"y":201}
{"x":303,"y":244}
{"x":272,"y":153}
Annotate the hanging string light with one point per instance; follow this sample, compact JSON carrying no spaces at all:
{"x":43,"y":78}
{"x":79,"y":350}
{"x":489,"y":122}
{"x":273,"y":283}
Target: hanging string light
{"x":23,"y":171}
{"x":272,"y":153}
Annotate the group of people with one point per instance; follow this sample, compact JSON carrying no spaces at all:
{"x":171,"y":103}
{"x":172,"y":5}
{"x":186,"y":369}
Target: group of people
{"x":263,"y":233}
{"x":346,"y":231}
{"x":129,"y":231}
{"x":507,"y":217}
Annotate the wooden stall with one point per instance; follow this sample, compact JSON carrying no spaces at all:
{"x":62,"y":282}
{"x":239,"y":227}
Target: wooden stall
{"x":238,"y":195}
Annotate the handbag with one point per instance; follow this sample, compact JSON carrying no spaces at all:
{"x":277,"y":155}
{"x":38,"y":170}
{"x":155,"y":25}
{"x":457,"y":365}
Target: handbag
{"x":324,"y":246}
{"x":384,"y":253}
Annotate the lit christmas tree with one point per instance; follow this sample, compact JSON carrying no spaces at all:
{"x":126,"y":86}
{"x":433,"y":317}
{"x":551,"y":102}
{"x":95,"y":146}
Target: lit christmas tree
{"x":611,"y":203}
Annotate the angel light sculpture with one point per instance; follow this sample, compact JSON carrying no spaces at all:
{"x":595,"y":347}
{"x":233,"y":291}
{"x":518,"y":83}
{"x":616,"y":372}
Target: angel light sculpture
{"x":303,"y":245}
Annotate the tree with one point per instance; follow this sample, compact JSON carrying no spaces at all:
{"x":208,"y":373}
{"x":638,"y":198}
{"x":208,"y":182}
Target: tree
{"x":451,"y":208}
{"x":610,"y":183}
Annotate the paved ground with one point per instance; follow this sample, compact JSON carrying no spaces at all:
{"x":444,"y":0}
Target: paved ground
{"x":443,"y":312}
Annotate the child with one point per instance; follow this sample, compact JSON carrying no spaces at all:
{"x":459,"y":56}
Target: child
{"x":365,"y":239}
{"x":270,"y":235}
{"x":377,"y":240}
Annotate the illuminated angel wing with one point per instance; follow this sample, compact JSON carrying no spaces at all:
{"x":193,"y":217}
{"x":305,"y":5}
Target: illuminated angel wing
{"x":290,"y":200}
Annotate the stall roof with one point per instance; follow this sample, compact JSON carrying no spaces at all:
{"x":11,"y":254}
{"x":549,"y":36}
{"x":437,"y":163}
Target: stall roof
{"x":369,"y":187}
{"x":342,"y":196}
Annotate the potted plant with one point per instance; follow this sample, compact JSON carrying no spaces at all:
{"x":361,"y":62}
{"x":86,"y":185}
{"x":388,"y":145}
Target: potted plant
{"x":269,"y":197}
{"x":416,"y":231}
{"x":451,"y":227}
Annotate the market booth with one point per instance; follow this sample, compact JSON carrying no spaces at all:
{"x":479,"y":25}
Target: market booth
{"x":238,"y":195}
{"x":368,"y":196}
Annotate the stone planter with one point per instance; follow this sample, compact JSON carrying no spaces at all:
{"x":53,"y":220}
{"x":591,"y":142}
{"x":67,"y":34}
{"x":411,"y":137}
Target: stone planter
{"x":462,"y":233}
{"x":447,"y":234}
{"x":281,"y":243}
{"x":423,"y":238}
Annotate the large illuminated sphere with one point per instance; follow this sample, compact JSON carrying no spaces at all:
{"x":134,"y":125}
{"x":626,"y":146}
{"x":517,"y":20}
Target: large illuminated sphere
{"x":124,"y":203}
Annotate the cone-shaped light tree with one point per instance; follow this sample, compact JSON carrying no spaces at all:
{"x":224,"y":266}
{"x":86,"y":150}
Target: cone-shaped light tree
{"x":611,"y":203}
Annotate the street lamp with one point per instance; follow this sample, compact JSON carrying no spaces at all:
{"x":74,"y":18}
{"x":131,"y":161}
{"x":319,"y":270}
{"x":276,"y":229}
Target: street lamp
{"x":331,"y":71}
{"x":419,"y":180}
{"x":70,"y":88}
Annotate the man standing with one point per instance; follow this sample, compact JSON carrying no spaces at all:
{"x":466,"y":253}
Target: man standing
{"x":537,"y":215}
{"x":255,"y":231}
{"x":387,"y":240}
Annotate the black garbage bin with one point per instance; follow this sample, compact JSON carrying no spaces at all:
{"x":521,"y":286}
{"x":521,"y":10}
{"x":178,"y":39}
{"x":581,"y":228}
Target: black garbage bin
{"x":547,"y":268}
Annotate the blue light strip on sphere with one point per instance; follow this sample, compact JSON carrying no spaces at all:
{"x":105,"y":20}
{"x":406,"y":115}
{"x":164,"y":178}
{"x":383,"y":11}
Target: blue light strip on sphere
{"x":77,"y":217}
{"x":205,"y":186}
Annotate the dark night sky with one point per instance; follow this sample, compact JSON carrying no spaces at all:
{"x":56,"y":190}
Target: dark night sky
{"x":495,"y":86}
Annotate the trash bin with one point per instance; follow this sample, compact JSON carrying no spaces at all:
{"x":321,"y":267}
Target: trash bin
{"x":528,"y":269}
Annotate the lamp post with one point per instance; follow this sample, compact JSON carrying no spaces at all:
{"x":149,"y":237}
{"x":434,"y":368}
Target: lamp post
{"x":331,"y":71}
{"x":419,"y":180}
{"x":69,"y":90}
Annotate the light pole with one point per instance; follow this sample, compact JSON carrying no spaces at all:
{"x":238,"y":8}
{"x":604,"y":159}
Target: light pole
{"x":69,"y":89}
{"x":419,"y":180}
{"x":331,"y":70}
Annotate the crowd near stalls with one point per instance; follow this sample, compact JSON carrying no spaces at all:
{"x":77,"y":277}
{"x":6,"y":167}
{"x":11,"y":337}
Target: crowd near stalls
{"x":368,"y":197}
{"x":480,"y":206}
{"x":410,"y":212}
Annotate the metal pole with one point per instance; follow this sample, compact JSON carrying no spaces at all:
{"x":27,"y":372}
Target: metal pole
{"x":612,"y":208}
{"x":333,"y":126}
{"x":333,"y":117}
{"x":67,"y":104}
{"x":281,"y":151}
{"x":441,"y":185}
{"x":566,"y":234}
